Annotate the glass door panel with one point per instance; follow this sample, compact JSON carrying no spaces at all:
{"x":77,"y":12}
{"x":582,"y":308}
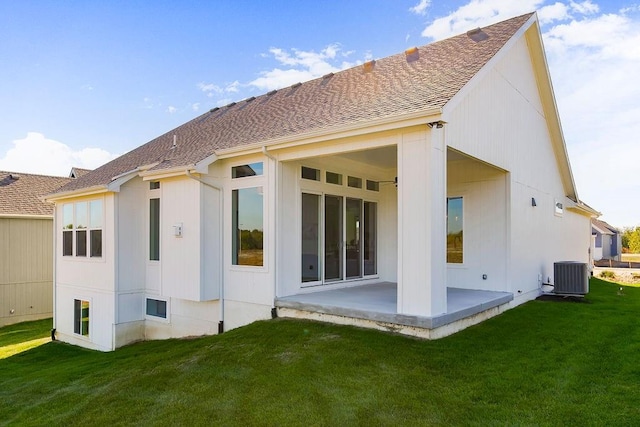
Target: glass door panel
{"x":370,"y":238}
{"x":310,"y":238}
{"x":332,"y":238}
{"x":353,"y":229}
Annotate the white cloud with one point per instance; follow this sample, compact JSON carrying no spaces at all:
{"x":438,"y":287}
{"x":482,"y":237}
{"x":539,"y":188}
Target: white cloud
{"x":301,"y":66}
{"x":40,"y":155}
{"x":594,"y":60}
{"x":478,"y":13}
{"x":195,"y":106}
{"x":421,"y":8}
{"x":171,"y":109}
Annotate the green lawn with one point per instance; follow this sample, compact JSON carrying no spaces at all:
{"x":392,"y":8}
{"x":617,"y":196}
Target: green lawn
{"x":543,"y":363}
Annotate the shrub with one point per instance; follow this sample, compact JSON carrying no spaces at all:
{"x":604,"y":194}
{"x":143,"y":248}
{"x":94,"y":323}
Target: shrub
{"x":608,"y":274}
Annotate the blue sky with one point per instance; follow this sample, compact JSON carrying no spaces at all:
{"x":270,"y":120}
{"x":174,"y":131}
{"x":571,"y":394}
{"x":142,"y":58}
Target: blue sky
{"x":84,"y":81}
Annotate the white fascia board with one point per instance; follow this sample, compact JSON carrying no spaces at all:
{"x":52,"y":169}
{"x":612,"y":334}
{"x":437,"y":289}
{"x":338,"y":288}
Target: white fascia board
{"x":203,"y":165}
{"x":73,"y":194}
{"x":166,"y":173}
{"x":380,"y":125}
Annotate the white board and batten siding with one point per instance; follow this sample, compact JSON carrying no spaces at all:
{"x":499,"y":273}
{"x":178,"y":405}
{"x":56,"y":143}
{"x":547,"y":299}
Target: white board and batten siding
{"x":505,"y":105}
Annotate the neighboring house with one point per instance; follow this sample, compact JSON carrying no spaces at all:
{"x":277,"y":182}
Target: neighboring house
{"x":606,"y":241}
{"x":78,"y":172}
{"x":26,"y":246}
{"x":419,"y":193}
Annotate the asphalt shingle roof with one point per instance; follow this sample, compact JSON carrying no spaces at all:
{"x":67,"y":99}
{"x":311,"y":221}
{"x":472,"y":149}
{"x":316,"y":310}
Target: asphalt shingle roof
{"x":395,"y":86}
{"x":20,"y":193}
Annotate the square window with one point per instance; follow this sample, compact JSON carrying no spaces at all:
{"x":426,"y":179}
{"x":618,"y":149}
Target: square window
{"x":242,"y":171}
{"x":156,"y":308}
{"x":334,"y":178}
{"x":310,"y":173}
{"x":154,"y":185}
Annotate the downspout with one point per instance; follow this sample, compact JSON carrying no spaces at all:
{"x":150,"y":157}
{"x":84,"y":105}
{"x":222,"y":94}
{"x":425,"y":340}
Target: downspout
{"x":55,"y":261}
{"x":215,"y":187}
{"x":274,"y":311}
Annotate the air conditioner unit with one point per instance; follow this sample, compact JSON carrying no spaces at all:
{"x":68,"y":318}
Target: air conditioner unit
{"x":570,"y":277}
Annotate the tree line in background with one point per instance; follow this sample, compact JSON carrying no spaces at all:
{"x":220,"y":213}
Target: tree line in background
{"x":631,"y":240}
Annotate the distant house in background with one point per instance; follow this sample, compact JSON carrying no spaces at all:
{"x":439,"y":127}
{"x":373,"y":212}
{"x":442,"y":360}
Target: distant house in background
{"x":606,"y":241}
{"x":26,"y":246}
{"x":78,"y":172}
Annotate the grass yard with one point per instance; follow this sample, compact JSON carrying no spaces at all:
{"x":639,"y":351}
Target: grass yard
{"x":543,"y":363}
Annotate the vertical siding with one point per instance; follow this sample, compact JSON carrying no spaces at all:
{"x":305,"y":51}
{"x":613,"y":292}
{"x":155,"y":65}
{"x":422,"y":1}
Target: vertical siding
{"x":26,"y":269}
{"x":501,"y":121}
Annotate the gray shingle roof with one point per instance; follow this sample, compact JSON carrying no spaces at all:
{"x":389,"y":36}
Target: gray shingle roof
{"x":20,"y":193}
{"x":396,"y":86}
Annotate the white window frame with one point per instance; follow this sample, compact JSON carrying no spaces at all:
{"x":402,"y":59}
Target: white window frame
{"x":74,"y":256}
{"x":91,"y":315}
{"x":157,"y":318}
{"x":243,"y":183}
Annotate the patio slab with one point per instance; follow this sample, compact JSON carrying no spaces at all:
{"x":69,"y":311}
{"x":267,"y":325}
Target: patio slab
{"x":378,"y":302}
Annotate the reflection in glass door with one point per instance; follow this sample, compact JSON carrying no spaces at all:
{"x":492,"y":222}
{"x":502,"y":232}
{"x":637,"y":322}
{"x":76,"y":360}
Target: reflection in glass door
{"x":310,"y":238}
{"x":352,"y":228}
{"x":332,"y":238}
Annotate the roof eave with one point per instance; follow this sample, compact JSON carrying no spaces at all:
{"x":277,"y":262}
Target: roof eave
{"x":388,"y":123}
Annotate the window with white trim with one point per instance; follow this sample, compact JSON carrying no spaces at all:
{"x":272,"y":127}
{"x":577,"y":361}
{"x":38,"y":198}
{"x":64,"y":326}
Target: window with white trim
{"x":82,"y":224}
{"x":455,"y":227}
{"x":156,"y":308}
{"x":81,"y":317}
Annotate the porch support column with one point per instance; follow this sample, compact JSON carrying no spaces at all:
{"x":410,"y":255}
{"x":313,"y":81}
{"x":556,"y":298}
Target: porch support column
{"x":422,"y":287}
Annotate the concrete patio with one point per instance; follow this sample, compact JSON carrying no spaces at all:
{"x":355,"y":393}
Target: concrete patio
{"x":378,"y":303}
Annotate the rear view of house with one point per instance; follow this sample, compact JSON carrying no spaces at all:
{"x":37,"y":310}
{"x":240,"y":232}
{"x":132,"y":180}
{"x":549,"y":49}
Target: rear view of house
{"x":26,"y":246}
{"x":419,"y":193}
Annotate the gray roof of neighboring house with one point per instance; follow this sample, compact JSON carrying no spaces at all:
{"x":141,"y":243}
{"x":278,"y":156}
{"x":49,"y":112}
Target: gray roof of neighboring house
{"x":396,"y":86}
{"x":604,"y":227}
{"x":20,"y":193}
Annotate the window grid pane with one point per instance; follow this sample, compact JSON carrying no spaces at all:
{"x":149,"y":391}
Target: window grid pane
{"x":81,"y":243}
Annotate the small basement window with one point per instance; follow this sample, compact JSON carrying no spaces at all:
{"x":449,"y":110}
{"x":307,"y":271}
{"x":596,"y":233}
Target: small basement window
{"x":81,"y":317}
{"x":156,"y":308}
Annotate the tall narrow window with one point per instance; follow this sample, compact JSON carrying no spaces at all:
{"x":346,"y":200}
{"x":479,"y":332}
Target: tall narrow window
{"x":310,"y":237}
{"x":81,"y":317}
{"x":154,"y":229}
{"x":95,"y":228}
{"x":67,"y":229}
{"x":454,"y":230}
{"x":370,"y":238}
{"x":81,"y":229}
{"x":247,"y":226}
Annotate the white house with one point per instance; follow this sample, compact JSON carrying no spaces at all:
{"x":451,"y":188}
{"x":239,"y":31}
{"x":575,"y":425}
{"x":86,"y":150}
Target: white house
{"x":418,"y":193}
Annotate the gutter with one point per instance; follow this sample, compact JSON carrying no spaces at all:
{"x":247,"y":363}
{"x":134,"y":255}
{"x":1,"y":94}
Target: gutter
{"x":221,"y":272}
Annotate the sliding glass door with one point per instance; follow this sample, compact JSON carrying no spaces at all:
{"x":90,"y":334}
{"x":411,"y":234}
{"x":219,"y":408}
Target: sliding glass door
{"x":339,"y":238}
{"x":333,"y":238}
